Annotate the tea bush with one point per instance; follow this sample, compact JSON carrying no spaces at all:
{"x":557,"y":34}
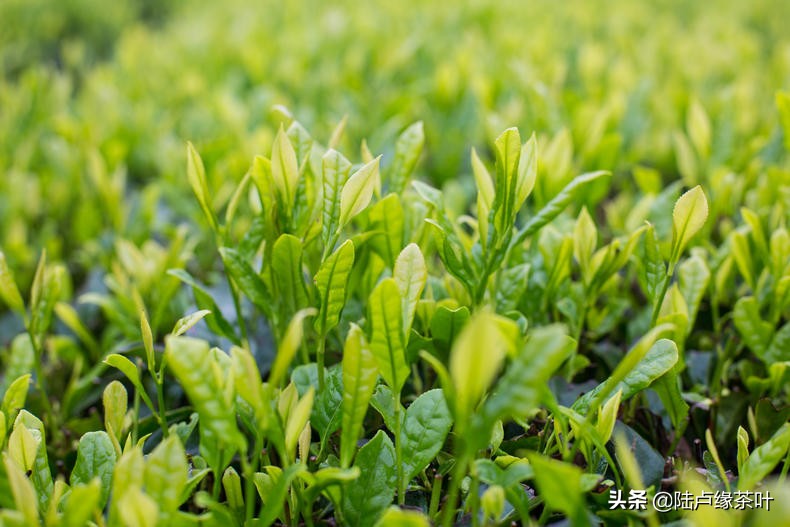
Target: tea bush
{"x":327,"y":309}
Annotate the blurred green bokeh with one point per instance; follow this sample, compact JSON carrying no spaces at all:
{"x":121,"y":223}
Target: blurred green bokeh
{"x":98,"y":99}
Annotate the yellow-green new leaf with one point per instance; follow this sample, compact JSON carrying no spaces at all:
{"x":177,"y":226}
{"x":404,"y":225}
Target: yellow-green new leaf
{"x":699,"y":129}
{"x":191,"y":362}
{"x":387,"y":340}
{"x":285,"y":170}
{"x":527,"y":171}
{"x":196,"y":173}
{"x":22,"y":490}
{"x":688,"y":217}
{"x":137,"y":509}
{"x":8,"y":289}
{"x":585,"y":239}
{"x":22,"y":447}
{"x":358,"y":191}
{"x":115,"y":401}
{"x":475,"y":359}
{"x":289,"y":346}
{"x":331,"y":281}
{"x":410,"y":274}
{"x":166,"y":474}
{"x":297,"y":420}
{"x":359,"y":380}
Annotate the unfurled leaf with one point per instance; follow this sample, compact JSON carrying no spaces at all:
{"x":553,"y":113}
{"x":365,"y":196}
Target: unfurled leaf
{"x":114,"y":400}
{"x":186,"y":323}
{"x":755,"y":332}
{"x":649,"y":359}
{"x":191,"y":362}
{"x":475,"y":360}
{"x":410,"y":274}
{"x":365,"y":499}
{"x":9,"y":292}
{"x":95,"y":459}
{"x":331,"y":281}
{"x":764,"y":458}
{"x":387,"y":334}
{"x":424,"y":430}
{"x":688,"y":217}
{"x":359,"y":381}
{"x":166,"y":475}
{"x":336,"y":169}
{"x":358,"y":191}
{"x":285,"y":171}
{"x":196,"y":174}
{"x":407,"y":151}
{"x":289,"y":345}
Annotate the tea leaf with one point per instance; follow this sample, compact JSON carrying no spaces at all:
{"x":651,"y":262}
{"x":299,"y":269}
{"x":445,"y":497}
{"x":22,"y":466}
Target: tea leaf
{"x":386,"y":341}
{"x":166,"y":475}
{"x":764,"y":458}
{"x":407,"y":151}
{"x":359,"y":380}
{"x":358,"y":191}
{"x":688,"y":217}
{"x":424,"y":430}
{"x":331,"y":281}
{"x":366,"y":499}
{"x":95,"y":459}
{"x":8,"y":289}
{"x":196,"y":173}
{"x":411,"y":274}
{"x":190,"y":361}
{"x":285,"y":171}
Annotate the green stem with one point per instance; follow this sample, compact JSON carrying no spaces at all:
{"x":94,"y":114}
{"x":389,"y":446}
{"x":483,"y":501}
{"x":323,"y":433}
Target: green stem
{"x":249,"y":479}
{"x":136,"y":416}
{"x":160,"y":399}
{"x":459,"y":471}
{"x":398,"y":451}
{"x":436,"y":494}
{"x":320,"y":360}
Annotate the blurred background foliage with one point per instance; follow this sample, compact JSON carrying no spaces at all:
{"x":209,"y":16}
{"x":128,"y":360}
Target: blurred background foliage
{"x":98,"y":99}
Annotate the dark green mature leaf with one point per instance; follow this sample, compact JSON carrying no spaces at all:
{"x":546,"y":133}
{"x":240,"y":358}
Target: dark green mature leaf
{"x":331,"y":281}
{"x":95,"y":459}
{"x":424,"y":430}
{"x":386,"y":342}
{"x":365,"y":499}
{"x":328,"y":407}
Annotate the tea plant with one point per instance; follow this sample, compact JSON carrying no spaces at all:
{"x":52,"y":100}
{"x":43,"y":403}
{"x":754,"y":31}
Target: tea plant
{"x":410,"y":315}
